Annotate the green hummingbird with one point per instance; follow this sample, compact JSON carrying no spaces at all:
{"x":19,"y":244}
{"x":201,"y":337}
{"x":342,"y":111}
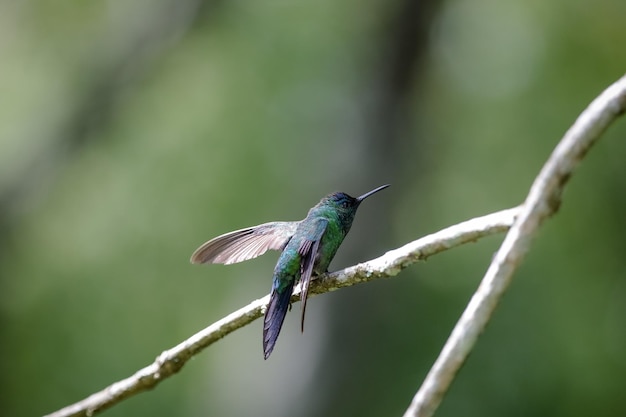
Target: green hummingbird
{"x":307,"y":247}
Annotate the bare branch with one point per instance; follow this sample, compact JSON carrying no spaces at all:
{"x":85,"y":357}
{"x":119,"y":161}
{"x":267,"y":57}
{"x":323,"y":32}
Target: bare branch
{"x":171,"y":361}
{"x":542,"y":202}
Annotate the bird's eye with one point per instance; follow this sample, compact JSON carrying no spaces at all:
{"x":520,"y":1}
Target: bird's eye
{"x":344,"y":204}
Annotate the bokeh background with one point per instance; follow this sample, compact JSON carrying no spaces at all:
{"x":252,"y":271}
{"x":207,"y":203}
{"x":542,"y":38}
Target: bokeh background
{"x":130,"y":132}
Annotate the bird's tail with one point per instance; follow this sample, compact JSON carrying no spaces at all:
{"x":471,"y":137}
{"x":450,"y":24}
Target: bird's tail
{"x":274,"y":317}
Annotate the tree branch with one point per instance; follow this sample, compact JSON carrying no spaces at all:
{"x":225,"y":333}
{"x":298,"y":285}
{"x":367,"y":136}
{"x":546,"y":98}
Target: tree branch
{"x":391,"y":263}
{"x":542,"y":202}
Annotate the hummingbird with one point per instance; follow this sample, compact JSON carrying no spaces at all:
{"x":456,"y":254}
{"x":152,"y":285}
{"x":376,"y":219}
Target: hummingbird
{"x":307,"y":247}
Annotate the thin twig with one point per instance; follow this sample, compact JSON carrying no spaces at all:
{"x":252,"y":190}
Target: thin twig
{"x":542,"y":202}
{"x":171,"y":361}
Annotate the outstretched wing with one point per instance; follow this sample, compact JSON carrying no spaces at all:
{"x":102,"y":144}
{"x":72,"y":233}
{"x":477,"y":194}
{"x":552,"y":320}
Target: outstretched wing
{"x":245,"y":244}
{"x":309,"y":249}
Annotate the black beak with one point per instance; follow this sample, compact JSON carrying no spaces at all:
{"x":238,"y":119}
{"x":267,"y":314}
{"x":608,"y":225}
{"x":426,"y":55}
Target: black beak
{"x":375,"y":190}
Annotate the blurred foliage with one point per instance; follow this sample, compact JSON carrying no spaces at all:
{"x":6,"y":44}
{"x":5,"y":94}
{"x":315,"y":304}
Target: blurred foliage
{"x":130,"y":132}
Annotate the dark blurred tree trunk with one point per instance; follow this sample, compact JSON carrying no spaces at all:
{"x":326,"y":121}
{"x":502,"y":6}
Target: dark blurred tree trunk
{"x":397,"y":65}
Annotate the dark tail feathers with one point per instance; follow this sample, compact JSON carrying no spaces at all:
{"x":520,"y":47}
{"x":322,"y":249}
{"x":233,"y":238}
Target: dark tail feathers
{"x":274,"y":317}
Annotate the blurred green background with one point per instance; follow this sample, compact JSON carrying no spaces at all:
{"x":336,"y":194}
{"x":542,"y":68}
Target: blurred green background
{"x":130,"y":132}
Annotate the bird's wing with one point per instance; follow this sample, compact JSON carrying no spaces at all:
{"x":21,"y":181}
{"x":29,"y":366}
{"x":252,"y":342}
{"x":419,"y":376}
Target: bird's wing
{"x":309,"y":249}
{"x":245,"y":244}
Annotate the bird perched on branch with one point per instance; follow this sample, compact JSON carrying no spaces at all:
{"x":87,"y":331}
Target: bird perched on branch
{"x":308,"y":246}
